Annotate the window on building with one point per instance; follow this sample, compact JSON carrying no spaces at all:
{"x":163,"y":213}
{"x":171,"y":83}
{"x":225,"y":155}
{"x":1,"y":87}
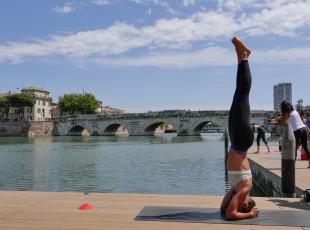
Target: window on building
{"x":38,"y":110}
{"x":29,"y":118}
{"x":39,"y":102}
{"x":43,"y":103}
{"x":29,"y":110}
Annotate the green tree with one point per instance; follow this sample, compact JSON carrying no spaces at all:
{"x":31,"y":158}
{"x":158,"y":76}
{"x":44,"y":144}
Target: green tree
{"x":78,"y":103}
{"x":299,"y":105}
{"x":20,"y":101}
{"x":4,"y":106}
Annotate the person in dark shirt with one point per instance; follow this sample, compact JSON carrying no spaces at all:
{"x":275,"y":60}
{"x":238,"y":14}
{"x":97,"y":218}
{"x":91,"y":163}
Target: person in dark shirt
{"x":261,"y":130}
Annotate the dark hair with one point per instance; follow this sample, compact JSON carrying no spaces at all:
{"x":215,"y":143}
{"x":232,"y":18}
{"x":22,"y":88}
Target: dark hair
{"x":251,"y":204}
{"x":286,"y":107}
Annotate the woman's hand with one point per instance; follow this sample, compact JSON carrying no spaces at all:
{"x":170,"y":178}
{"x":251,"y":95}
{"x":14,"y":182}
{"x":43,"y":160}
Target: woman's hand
{"x":254,"y":212}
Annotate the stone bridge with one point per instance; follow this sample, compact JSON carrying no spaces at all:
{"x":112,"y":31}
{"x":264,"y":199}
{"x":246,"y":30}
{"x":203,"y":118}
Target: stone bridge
{"x":186,"y":123}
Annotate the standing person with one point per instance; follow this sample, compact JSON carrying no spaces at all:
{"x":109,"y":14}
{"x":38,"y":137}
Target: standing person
{"x":303,"y":116}
{"x":236,"y":204}
{"x":260,"y":135}
{"x":290,"y":115}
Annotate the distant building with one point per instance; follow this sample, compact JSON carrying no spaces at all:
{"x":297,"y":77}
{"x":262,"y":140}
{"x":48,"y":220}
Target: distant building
{"x":42,"y":109}
{"x":281,"y":92}
{"x":4,"y":94}
{"x":55,"y":110}
{"x":110,"y":110}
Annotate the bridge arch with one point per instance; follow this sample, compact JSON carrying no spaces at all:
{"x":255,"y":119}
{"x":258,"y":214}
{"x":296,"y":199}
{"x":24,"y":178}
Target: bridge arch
{"x":78,"y":130}
{"x":205,"y":124}
{"x":115,"y":129}
{"x":95,"y":133}
{"x":158,"y":126}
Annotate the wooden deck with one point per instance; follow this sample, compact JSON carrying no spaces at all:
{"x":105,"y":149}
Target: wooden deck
{"x":47,"y":210}
{"x":272,"y":162}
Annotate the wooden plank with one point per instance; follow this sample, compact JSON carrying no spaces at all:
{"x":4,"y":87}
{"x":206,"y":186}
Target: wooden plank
{"x":47,"y":210}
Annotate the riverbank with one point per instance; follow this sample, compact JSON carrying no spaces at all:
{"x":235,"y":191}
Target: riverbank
{"x":266,"y":169}
{"x":52,"y":210}
{"x":26,"y":128}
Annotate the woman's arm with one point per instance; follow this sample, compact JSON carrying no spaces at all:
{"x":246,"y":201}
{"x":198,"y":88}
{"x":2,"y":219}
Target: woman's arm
{"x":279,"y":120}
{"x":225,"y":203}
{"x":232,"y":212}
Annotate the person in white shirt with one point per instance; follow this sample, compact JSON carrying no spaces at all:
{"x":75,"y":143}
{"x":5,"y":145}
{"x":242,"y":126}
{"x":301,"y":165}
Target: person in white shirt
{"x":290,"y":115}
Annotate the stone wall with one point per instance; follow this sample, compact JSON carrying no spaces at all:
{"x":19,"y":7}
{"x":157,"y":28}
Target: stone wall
{"x":33,"y":128}
{"x":267,"y":181}
{"x":41,"y":128}
{"x":13,"y":129}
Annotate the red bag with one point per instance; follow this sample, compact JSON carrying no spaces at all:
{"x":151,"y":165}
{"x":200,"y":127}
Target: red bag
{"x":303,"y":155}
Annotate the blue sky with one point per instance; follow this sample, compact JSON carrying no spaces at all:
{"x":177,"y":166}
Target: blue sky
{"x":143,"y":55}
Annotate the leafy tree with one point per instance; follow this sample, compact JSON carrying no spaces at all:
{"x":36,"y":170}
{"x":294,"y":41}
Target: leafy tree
{"x":299,"y":106}
{"x":4,"y":106}
{"x":78,"y":103}
{"x":20,"y":101}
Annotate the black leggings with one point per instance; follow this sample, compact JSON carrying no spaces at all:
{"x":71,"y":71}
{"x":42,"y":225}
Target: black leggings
{"x":261,"y":136}
{"x":301,"y":137}
{"x":240,"y":131}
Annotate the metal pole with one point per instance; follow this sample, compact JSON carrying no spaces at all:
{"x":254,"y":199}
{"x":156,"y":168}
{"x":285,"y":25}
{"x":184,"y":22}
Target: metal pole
{"x":288,"y":144}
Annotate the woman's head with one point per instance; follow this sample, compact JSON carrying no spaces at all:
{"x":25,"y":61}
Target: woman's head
{"x":248,"y":207}
{"x":286,"y":107}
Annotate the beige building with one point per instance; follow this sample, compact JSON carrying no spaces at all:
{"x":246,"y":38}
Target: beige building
{"x":110,"y":110}
{"x":42,"y":109}
{"x":56,"y":112}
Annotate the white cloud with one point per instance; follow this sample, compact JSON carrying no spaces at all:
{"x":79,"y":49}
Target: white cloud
{"x":284,"y":20}
{"x":189,"y":3}
{"x":283,"y":55}
{"x":101,"y":2}
{"x":214,"y":56}
{"x":233,"y":5}
{"x":277,"y":18}
{"x":149,"y":11}
{"x":121,"y":37}
{"x":65,"y":9}
{"x":162,"y":3}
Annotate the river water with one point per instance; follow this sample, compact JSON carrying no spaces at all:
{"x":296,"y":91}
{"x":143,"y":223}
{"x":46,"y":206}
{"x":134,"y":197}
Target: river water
{"x":163,"y":165}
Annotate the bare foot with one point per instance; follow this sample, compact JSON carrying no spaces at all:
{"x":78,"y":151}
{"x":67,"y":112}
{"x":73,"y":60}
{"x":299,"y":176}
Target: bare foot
{"x":242,"y":51}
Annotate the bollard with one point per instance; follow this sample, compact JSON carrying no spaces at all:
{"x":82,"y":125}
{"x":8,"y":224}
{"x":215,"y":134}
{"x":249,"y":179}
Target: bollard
{"x":288,"y":161}
{"x":226,"y":145}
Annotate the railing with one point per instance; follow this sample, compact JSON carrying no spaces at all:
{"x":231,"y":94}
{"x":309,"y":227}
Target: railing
{"x":154,"y":115}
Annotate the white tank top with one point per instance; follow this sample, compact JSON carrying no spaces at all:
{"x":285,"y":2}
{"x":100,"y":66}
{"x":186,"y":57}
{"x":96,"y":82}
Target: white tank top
{"x":295,"y":121}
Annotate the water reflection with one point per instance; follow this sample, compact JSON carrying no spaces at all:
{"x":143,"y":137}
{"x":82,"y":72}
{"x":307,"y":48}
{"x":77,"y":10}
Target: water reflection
{"x":177,"y":165}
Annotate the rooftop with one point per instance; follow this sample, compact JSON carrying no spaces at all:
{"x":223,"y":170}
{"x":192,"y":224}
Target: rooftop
{"x":4,"y":94}
{"x":112,"y":109}
{"x":31,"y":88}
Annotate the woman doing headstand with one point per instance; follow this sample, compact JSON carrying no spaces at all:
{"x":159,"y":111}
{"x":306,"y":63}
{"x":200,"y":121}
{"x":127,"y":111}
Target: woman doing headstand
{"x":236,"y":203}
